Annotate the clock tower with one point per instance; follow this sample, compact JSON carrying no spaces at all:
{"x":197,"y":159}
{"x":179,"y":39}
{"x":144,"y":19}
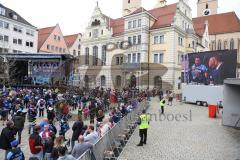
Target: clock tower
{"x":207,"y":7}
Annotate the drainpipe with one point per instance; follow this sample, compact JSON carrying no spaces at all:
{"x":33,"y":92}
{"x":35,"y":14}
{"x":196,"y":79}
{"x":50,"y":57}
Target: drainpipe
{"x":149,"y":45}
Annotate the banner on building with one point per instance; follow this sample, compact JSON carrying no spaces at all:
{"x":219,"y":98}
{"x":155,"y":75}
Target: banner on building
{"x":209,"y":68}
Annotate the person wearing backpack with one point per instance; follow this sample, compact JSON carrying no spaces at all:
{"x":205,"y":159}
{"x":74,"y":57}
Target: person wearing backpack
{"x":15,"y":152}
{"x":35,"y":143}
{"x":19,"y":121}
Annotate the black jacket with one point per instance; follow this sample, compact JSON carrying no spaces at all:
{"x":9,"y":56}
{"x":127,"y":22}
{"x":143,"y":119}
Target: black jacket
{"x":77,"y":129}
{"x":19,"y":122}
{"x":7,"y":136}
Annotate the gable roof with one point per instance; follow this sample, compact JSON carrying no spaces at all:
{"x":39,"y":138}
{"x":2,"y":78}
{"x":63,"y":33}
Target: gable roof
{"x":139,"y":10}
{"x":199,"y":27}
{"x":164,"y":15}
{"x":43,"y":34}
{"x":164,"y":18}
{"x":118,"y":26}
{"x":70,"y":39}
{"x":9,"y":14}
{"x":218,"y":23}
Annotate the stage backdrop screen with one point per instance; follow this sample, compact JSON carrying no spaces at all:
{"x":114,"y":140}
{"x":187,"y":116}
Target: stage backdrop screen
{"x":209,"y":67}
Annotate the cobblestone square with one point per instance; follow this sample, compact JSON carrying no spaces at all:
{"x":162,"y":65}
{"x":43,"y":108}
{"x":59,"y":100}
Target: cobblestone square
{"x":200,"y":139}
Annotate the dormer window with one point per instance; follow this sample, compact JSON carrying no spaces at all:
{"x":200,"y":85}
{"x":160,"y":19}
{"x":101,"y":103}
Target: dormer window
{"x":96,"y":23}
{"x":2,"y":11}
{"x":15,"y":16}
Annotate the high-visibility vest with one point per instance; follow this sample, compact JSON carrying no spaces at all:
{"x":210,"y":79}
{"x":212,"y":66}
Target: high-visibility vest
{"x":161,"y":103}
{"x":144,"y":121}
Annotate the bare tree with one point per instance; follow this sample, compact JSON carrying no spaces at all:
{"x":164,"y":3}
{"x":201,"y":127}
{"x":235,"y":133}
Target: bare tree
{"x":8,"y":71}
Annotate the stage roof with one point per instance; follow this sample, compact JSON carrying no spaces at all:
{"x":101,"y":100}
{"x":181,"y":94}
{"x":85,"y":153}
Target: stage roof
{"x":32,"y":56}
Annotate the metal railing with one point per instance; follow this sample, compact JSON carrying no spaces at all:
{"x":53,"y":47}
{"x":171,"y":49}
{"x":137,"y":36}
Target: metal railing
{"x":111,"y":144}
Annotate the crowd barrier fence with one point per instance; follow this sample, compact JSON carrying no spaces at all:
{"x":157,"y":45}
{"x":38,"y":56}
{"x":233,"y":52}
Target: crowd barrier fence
{"x":111,"y":144}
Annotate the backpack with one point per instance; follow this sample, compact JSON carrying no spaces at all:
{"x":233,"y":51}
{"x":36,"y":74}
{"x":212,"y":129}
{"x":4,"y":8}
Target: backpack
{"x":15,"y":154}
{"x":26,"y":98}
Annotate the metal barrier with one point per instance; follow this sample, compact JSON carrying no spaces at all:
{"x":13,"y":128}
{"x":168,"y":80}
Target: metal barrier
{"x":111,"y":144}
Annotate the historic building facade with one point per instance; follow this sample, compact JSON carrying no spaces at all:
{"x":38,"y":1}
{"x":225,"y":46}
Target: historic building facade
{"x":50,"y":40}
{"x":74,"y":44}
{"x":141,"y":49}
{"x":16,"y":34}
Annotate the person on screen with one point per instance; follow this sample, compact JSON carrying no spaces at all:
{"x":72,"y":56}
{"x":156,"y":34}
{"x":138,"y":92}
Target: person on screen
{"x":217,"y":70}
{"x":211,"y":71}
{"x":220,"y":71}
{"x":198,"y":71}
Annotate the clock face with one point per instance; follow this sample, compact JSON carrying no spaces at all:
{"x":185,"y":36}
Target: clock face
{"x":206,"y":12}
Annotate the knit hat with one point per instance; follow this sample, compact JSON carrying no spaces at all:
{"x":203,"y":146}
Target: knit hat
{"x":14,"y":143}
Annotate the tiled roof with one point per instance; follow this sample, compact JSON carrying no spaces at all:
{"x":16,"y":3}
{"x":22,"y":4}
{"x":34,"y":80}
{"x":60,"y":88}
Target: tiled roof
{"x":109,"y":19}
{"x":118,"y":26}
{"x":164,"y":16}
{"x":9,"y":14}
{"x":217,"y":24}
{"x":139,"y":10}
{"x":70,"y":39}
{"x":199,"y":27}
{"x":43,"y":34}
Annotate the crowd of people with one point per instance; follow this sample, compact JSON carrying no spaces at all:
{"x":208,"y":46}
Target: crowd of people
{"x":47,"y":140}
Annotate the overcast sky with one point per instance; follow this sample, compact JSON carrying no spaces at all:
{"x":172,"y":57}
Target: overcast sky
{"x":73,"y":15}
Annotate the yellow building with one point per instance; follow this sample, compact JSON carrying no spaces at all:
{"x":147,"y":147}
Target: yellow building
{"x":143,"y":48}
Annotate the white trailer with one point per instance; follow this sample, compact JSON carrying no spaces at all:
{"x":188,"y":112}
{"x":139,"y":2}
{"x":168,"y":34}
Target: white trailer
{"x":202,"y":94}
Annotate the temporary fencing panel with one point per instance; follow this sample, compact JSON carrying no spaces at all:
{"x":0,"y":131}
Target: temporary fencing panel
{"x":111,"y":144}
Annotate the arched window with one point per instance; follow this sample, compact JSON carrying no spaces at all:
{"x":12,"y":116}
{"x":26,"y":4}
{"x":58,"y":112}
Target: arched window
{"x":86,"y":56}
{"x":133,"y":81}
{"x":213,"y":45}
{"x":103,"y":81}
{"x":219,"y":45}
{"x":231,"y":44}
{"x":86,"y":81}
{"x":104,"y":56}
{"x":225,"y":44}
{"x":95,"y":56}
{"x":118,"y":81}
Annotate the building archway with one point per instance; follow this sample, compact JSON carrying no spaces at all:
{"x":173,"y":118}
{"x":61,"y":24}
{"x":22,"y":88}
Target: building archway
{"x":86,"y":81}
{"x":118,"y":81}
{"x":133,"y":81}
{"x":103,"y":81}
{"x":158,"y":82}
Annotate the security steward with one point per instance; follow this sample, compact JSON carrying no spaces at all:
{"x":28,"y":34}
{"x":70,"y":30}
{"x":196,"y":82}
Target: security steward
{"x":162,"y":105}
{"x":143,"y":123}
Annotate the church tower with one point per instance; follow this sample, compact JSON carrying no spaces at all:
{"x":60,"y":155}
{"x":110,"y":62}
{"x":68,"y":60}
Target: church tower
{"x":207,"y":7}
{"x":130,"y":6}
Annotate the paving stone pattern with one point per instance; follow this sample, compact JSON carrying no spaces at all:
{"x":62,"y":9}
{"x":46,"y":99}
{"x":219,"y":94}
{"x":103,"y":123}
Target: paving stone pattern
{"x":197,"y":138}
